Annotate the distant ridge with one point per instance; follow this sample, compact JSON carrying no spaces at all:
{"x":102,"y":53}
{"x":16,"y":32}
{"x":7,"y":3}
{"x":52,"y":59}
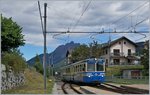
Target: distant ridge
{"x":58,"y":54}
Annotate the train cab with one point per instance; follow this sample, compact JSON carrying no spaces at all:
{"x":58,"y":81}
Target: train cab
{"x":85,"y":71}
{"x":95,"y":72}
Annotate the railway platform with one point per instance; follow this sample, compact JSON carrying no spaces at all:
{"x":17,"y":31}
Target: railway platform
{"x":57,"y":88}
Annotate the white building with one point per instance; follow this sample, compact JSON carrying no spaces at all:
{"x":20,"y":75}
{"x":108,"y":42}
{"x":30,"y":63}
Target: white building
{"x":120,"y":52}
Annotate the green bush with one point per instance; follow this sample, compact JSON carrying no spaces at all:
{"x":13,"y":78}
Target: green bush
{"x":14,"y":61}
{"x":38,"y":65}
{"x":117,"y":70}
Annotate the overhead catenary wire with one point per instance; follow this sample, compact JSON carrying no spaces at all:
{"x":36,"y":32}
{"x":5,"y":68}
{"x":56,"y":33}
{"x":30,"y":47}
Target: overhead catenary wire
{"x":82,"y":14}
{"x":55,"y":37}
{"x":139,"y":32}
{"x":142,"y":21}
{"x":92,"y":32}
{"x":130,"y":13}
{"x":70,"y":26}
{"x":41,"y":17}
{"x":141,"y":9}
{"x":134,"y":26}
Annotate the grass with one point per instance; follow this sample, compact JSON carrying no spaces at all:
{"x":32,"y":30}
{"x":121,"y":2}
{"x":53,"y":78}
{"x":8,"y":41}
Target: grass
{"x":34,"y":84}
{"x":129,"y":81}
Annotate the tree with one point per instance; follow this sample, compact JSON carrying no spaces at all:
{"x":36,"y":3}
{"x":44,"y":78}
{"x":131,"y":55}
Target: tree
{"x":95,"y":49}
{"x":38,"y":65}
{"x":14,"y":61}
{"x":145,"y":61}
{"x":80,"y":53}
{"x":11,"y":36}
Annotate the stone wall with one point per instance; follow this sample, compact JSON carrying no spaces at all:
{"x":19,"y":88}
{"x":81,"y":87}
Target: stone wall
{"x":10,"y":79}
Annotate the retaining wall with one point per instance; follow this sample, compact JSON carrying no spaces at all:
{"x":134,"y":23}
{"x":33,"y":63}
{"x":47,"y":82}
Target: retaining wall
{"x":10,"y":79}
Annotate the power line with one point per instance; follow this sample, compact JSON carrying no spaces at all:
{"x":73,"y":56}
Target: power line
{"x":82,"y":15}
{"x":72,"y":21}
{"x":63,"y":32}
{"x":142,"y":21}
{"x":40,"y":17}
{"x":142,"y":37}
{"x":55,"y":35}
{"x":130,"y":12}
{"x":133,"y":27}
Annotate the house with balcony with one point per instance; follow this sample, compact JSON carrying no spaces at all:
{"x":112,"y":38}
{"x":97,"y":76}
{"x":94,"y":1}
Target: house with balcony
{"x":122,"y":52}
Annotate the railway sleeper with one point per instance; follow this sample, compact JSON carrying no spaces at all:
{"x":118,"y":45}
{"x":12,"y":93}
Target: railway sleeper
{"x":123,"y":90}
{"x":136,"y":90}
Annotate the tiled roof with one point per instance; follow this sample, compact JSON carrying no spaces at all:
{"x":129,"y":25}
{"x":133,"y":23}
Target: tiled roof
{"x":117,"y":40}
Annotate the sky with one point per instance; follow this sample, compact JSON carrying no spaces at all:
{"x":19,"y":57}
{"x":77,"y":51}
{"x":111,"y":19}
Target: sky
{"x":78,"y":15}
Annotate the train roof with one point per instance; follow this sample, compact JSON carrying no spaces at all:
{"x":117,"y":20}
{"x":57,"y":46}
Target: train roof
{"x":89,"y":61}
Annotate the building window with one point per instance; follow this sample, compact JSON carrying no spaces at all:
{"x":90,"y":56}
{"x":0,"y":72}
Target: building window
{"x":129,"y":52}
{"x":129,"y":61}
{"x":106,"y":61}
{"x":106,"y":51}
{"x":124,"y":42}
{"x":119,"y":42}
{"x":116,"y":52}
{"x":103,"y":52}
{"x":116,"y":61}
{"x":106,"y":64}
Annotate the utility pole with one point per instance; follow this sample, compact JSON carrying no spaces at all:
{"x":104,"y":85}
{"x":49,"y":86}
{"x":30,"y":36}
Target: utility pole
{"x":44,"y":59}
{"x":109,"y":54}
{"x":52,"y":64}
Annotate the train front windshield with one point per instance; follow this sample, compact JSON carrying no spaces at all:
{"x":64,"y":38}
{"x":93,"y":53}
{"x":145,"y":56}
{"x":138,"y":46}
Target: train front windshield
{"x":100,"y":65}
{"x":95,"y":65}
{"x":91,"y":65}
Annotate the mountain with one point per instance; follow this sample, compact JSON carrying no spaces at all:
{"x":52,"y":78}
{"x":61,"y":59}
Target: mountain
{"x":140,"y":47}
{"x":58,"y":54}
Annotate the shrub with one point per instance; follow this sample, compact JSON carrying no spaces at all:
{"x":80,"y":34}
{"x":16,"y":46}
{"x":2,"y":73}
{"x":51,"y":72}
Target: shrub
{"x":13,"y":61}
{"x":117,"y":70}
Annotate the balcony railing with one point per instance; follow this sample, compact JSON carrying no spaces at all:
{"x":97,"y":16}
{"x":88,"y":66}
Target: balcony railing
{"x":131,"y":54}
{"x":122,"y":54}
{"x":124,"y":63}
{"x":117,"y":54}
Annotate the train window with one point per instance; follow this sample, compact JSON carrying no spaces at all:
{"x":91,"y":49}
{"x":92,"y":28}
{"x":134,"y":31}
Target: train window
{"x":83,"y":68}
{"x":100,"y":66}
{"x":76,"y":68}
{"x":90,"y":67}
{"x":73,"y":68}
{"x":80,"y":67}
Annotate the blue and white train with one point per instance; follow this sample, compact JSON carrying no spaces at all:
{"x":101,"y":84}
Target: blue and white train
{"x":85,"y":71}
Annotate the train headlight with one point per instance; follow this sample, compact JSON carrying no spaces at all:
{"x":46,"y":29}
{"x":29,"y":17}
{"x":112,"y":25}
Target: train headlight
{"x":89,"y":76}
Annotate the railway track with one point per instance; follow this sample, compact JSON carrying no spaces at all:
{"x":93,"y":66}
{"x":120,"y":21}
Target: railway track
{"x":69,"y":89}
{"x":108,"y":88}
{"x":121,"y":89}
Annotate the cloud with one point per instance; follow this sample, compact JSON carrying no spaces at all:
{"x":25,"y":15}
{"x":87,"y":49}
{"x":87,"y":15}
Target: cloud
{"x":62,"y":15}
